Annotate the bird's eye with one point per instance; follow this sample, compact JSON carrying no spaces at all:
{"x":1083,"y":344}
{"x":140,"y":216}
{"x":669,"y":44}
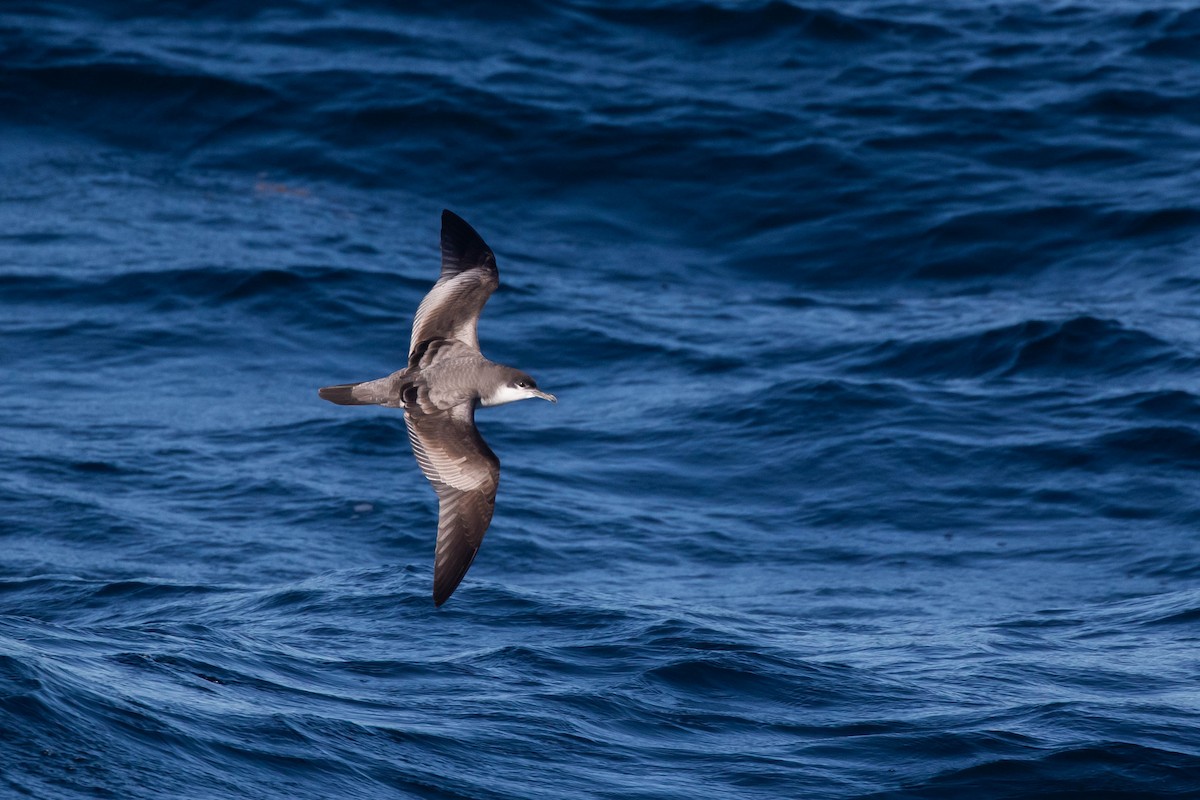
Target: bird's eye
{"x":521,"y":385}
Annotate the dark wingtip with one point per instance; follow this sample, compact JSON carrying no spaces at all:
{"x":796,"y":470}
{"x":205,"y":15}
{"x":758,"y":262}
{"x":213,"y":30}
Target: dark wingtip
{"x":442,"y":589}
{"x":444,"y":586}
{"x":449,"y":574}
{"x":462,"y":246}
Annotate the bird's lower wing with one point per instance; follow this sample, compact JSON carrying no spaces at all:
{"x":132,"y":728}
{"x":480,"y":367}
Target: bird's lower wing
{"x":465,"y":473}
{"x":463,"y":518}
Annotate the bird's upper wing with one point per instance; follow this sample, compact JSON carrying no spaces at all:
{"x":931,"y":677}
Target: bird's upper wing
{"x":469,"y":276}
{"x":464,"y":472}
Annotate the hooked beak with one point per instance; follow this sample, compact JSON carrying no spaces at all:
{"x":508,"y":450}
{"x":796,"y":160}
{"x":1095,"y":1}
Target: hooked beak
{"x":544,"y":395}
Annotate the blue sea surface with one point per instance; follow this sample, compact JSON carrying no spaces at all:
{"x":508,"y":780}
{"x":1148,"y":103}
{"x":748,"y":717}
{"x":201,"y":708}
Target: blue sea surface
{"x":875,"y":327}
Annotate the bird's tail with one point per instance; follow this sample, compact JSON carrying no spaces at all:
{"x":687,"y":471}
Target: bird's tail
{"x":343,"y":395}
{"x":363,"y":393}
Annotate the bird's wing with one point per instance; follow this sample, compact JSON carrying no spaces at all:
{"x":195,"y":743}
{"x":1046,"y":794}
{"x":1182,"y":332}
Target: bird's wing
{"x":464,"y":472}
{"x":469,"y":276}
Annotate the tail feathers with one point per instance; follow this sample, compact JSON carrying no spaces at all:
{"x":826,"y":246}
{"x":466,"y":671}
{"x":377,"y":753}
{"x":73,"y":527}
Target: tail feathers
{"x":363,"y":393}
{"x":343,"y":395}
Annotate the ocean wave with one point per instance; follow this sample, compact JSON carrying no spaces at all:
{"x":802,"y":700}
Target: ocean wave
{"x":132,"y":317}
{"x":1116,"y":769}
{"x":1072,"y":347}
{"x":1136,"y":103}
{"x":105,"y":98}
{"x":714,"y":23}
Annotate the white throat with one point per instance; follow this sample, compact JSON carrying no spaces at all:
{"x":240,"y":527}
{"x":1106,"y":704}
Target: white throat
{"x":506,"y":394}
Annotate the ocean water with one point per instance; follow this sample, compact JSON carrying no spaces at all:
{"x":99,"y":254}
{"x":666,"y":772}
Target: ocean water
{"x":875,"y":331}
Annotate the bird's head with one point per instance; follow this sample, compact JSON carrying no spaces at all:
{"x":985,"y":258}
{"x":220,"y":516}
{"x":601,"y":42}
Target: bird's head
{"x":517,"y":386}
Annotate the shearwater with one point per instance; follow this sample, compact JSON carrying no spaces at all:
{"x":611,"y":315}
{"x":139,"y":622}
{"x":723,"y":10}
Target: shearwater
{"x":446,"y":379}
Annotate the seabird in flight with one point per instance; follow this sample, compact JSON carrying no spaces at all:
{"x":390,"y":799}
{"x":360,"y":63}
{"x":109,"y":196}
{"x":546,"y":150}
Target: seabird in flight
{"x":446,"y":379}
